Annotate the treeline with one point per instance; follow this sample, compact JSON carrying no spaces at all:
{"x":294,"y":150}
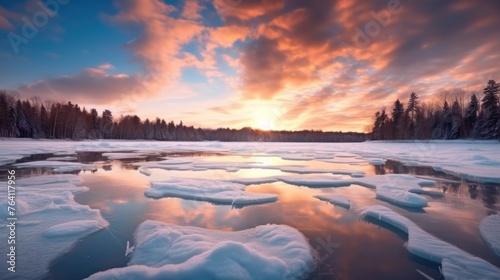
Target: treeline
{"x":36,"y":119}
{"x":460,"y":115}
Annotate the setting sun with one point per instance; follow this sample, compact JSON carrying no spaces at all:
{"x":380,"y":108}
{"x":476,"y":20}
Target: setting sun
{"x":264,"y":124}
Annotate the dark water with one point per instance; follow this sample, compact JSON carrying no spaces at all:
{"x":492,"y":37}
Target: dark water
{"x":348,"y":246}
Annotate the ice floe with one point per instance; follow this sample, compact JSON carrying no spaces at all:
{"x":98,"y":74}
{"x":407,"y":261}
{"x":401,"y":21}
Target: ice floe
{"x":473,"y":160}
{"x":490,"y":231}
{"x":58,"y":166}
{"x":123,"y":155}
{"x":254,"y":181}
{"x":456,"y":263}
{"x":48,"y":179}
{"x":395,"y":188}
{"x":49,"y":221}
{"x":68,"y":158}
{"x":319,"y":181}
{"x":215,"y":191}
{"x":400,"y":197}
{"x":167,"y":251}
{"x":335,"y":199}
{"x":376,"y":161}
{"x":78,"y":228}
{"x":297,"y":157}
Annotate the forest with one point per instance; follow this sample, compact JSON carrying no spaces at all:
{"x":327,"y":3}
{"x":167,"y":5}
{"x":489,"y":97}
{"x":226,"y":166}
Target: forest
{"x":34,"y":118}
{"x":457,"y":114}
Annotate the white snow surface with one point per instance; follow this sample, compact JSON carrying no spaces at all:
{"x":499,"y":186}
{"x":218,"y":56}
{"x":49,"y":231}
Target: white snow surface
{"x":254,"y":181}
{"x":49,"y":221}
{"x":456,"y":263}
{"x":318,"y":181}
{"x":58,"y":166}
{"x":335,"y":199}
{"x":490,"y":231}
{"x":167,"y":251}
{"x":215,"y":191}
{"x":116,"y":155}
{"x":475,"y":160}
{"x":61,"y":158}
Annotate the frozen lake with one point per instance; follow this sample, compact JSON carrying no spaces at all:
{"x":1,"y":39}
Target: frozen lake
{"x":446,"y":189}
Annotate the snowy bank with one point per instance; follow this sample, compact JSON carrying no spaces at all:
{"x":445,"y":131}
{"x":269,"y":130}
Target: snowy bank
{"x":167,"y":251}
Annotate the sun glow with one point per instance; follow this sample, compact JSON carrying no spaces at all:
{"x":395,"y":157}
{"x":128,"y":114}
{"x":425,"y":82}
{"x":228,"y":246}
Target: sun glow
{"x":264,"y":124}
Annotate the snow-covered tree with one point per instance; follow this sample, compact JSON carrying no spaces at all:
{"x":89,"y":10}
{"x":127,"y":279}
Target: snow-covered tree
{"x":456,"y":121}
{"x":490,"y":109}
{"x":411,"y":110}
{"x":471,"y":115}
{"x":397,"y":117}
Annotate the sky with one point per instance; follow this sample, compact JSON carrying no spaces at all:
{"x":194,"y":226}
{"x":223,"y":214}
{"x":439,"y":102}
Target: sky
{"x":268,"y":64}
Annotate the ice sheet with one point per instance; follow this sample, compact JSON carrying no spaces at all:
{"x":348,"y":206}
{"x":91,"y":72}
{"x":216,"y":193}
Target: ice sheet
{"x":474,"y":160}
{"x":68,"y":158}
{"x":254,"y":181}
{"x":456,"y":263}
{"x":395,"y":188}
{"x":123,"y":155}
{"x":167,"y":251}
{"x":335,"y":199}
{"x":58,"y":166}
{"x":490,"y":231}
{"x":400,"y":197}
{"x":215,"y":191}
{"x":318,"y":181}
{"x":49,"y":222}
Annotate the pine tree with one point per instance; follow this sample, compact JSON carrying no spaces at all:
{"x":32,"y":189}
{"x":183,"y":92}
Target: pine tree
{"x":436,"y":130}
{"x":21,"y":122}
{"x":471,"y":116}
{"x":490,"y":108}
{"x":398,"y":112}
{"x":4,"y":115}
{"x":107,"y":123}
{"x":411,"y":110}
{"x":446,"y":121}
{"x":456,"y":121}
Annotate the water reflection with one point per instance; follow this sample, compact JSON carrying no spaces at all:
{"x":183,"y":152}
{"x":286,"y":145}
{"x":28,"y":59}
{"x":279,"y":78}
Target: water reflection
{"x":362,"y":249}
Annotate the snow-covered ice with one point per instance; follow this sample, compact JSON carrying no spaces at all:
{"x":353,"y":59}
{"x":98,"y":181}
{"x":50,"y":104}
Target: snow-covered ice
{"x":215,"y":191}
{"x":335,"y":199}
{"x":402,"y":181}
{"x":297,"y":157}
{"x":398,"y":189}
{"x":78,"y":228}
{"x":176,"y":161}
{"x":376,"y":161}
{"x":48,"y":179}
{"x":60,"y":158}
{"x":254,"y":181}
{"x":116,"y":155}
{"x":400,"y":197}
{"x":49,"y":221}
{"x":395,"y":188}
{"x":319,"y":181}
{"x":490,"y":231}
{"x":456,"y":263}
{"x":474,"y":160}
{"x":167,"y":251}
{"x":58,"y":166}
